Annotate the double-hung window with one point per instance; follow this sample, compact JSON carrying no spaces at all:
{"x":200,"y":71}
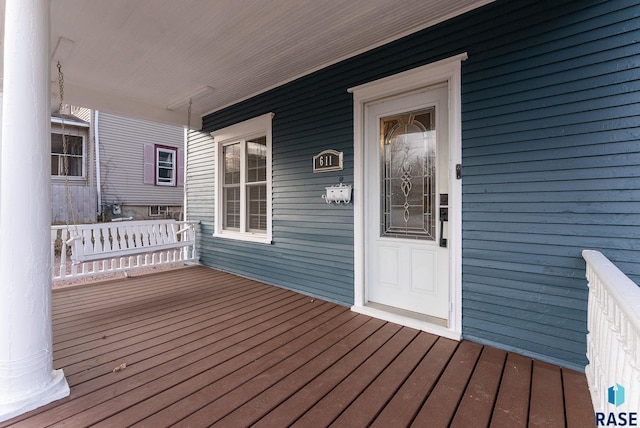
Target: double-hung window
{"x":163,"y":165}
{"x":69,"y":160}
{"x":166,"y":166}
{"x":243,"y":175}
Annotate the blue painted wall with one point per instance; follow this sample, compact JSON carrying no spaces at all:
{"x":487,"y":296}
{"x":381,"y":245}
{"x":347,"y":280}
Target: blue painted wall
{"x":551,"y":123}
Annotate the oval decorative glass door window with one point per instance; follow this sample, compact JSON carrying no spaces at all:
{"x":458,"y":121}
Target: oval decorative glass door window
{"x":408,"y":156}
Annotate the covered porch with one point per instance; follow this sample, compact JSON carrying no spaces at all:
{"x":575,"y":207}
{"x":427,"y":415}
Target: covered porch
{"x":549,"y":169}
{"x":199,"y":347}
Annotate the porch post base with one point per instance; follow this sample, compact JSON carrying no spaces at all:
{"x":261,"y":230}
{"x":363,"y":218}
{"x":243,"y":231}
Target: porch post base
{"x":55,"y":390}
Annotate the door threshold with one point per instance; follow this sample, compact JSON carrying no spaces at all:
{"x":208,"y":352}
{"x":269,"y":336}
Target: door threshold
{"x":410,"y":319}
{"x":409,"y":314}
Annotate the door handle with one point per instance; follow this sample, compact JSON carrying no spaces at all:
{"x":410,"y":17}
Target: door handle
{"x":444,"y":216}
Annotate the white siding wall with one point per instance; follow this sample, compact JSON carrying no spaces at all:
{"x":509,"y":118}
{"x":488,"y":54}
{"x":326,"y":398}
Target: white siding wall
{"x":122,"y":143}
{"x":83,"y":113}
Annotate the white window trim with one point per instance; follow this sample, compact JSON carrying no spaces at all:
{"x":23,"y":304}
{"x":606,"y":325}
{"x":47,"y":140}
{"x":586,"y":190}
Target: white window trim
{"x":260,"y":125}
{"x":449,"y":71}
{"x":84,"y":156}
{"x":174,"y":176}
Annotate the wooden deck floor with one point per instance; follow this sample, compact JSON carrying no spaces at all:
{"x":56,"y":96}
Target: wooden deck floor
{"x":205,"y":348}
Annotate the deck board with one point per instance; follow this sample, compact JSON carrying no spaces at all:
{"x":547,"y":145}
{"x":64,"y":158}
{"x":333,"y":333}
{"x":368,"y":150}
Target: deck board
{"x":577,"y":398}
{"x":406,"y":354}
{"x":547,"y":396}
{"x":198,"y":379}
{"x":298,"y":380}
{"x":188,"y":403}
{"x":207,"y":364}
{"x":292,"y":409}
{"x":478,"y":401}
{"x":512,"y":405}
{"x":329,"y":408}
{"x":408,"y":400}
{"x":441,"y":405}
{"x":236,"y":389}
{"x":204,"y":348}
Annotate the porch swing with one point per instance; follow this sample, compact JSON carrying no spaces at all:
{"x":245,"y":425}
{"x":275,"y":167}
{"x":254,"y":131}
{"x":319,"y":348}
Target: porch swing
{"x":127,"y":244}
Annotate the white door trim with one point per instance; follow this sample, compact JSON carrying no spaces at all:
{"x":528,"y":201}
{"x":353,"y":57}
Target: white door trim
{"x":447,"y":70}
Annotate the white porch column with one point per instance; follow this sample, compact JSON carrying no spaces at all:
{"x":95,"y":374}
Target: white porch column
{"x":27,"y":378}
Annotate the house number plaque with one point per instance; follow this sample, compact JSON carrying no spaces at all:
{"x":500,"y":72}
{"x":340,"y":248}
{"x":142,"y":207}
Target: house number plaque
{"x":328,"y":160}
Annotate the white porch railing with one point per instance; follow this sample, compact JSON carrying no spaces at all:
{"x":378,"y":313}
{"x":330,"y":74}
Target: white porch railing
{"x":102,"y":248}
{"x":613,"y":340}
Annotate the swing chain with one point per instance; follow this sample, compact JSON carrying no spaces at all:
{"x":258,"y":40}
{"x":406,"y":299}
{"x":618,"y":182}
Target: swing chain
{"x":61,"y":86}
{"x":65,"y":149}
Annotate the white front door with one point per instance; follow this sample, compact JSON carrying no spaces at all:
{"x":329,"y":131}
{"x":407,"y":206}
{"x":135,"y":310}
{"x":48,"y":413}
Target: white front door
{"x":406,"y":153}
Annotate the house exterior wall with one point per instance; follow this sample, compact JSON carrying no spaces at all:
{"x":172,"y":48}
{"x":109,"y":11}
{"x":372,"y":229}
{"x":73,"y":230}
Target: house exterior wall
{"x":83,"y":203}
{"x":83,"y":113}
{"x":550,"y":155}
{"x":122,"y":142}
{"x":75,"y":200}
{"x":200,"y":192}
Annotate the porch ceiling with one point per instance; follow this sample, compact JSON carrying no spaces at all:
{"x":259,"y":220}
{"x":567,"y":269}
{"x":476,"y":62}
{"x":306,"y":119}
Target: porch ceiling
{"x":137,"y":57}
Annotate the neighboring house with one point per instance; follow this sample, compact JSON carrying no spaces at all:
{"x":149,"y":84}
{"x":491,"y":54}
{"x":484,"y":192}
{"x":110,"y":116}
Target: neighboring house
{"x":141,"y":168}
{"x":134,"y":167}
{"x":73,"y":195}
{"x":519,"y":118}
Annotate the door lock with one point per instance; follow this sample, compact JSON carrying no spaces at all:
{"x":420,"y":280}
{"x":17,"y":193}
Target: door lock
{"x":444,"y":216}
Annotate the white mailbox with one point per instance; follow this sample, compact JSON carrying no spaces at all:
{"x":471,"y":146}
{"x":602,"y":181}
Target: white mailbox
{"x":340,"y":193}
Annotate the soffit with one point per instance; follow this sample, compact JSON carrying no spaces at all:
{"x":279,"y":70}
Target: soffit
{"x":137,"y":57}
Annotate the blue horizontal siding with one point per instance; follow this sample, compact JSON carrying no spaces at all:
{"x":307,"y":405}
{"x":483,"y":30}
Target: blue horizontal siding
{"x":312,"y":250}
{"x":550,"y":155}
{"x":550,"y":130}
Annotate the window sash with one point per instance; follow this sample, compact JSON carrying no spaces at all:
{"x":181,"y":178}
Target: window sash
{"x":74,"y":156}
{"x":166,"y":166}
{"x":257,"y":207}
{"x":244,"y":186}
{"x":232,"y":207}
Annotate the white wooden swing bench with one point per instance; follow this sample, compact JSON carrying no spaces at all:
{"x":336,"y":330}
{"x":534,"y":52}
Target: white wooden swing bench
{"x":117,"y":246}
{"x":120,"y":246}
